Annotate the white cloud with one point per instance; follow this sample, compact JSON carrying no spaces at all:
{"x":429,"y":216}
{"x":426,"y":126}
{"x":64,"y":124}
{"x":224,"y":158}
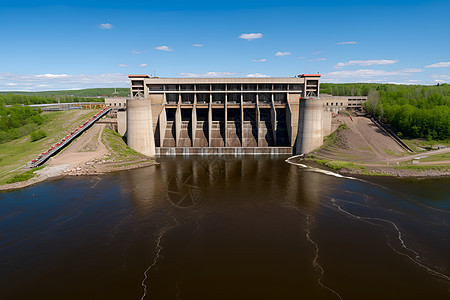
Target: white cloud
{"x":279,"y":53}
{"x":366,"y":62}
{"x":105,"y":26}
{"x":198,"y":45}
{"x":208,"y":74}
{"x":52,"y":75}
{"x":407,"y":82}
{"x":122,"y":65}
{"x":142,"y":65}
{"x":346,"y":43}
{"x":412,"y":70}
{"x":441,"y":77}
{"x":257,"y":75}
{"x":136,"y":51}
{"x":365,"y":73}
{"x":163,"y":48}
{"x":19,"y":82}
{"x":251,"y":36}
{"x":260,"y":60}
{"x":317,"y":59}
{"x":317,"y":52}
{"x":441,"y":64}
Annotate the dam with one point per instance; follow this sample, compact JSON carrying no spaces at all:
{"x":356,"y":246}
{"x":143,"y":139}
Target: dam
{"x":184,"y":116}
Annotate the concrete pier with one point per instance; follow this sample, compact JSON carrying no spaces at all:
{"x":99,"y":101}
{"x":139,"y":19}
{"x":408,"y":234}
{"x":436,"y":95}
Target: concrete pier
{"x":140,"y":135}
{"x":311,"y":132}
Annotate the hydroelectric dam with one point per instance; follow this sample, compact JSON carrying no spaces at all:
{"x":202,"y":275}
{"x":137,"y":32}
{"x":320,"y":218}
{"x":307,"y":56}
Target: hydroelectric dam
{"x":191,"y":116}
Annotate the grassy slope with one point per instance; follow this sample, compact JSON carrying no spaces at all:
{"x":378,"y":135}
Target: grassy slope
{"x":17,"y":153}
{"x":119,"y":151}
{"x":80,"y":93}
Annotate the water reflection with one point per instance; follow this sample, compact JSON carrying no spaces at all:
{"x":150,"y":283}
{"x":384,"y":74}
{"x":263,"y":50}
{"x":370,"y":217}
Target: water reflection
{"x":225,"y":228}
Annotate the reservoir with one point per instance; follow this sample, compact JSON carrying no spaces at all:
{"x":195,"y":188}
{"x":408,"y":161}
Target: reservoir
{"x":212,"y":227}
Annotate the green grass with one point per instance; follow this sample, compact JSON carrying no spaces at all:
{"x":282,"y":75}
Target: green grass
{"x":338,"y":165}
{"x":335,"y":164}
{"x":445,"y":167}
{"x":120,"y":151}
{"x":343,"y":126}
{"x":427,"y":144}
{"x":392,"y":153}
{"x":24,"y":176}
{"x":331,"y":139}
{"x":437,"y":157}
{"x":15,"y":154}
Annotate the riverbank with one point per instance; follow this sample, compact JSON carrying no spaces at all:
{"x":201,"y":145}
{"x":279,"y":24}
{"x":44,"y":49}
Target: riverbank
{"x":360,"y":147}
{"x":98,"y":151}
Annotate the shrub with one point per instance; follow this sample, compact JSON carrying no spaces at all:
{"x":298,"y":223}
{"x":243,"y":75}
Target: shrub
{"x":24,"y":176}
{"x":37,"y":135}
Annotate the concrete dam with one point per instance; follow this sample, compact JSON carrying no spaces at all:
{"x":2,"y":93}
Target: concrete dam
{"x":186,"y":116}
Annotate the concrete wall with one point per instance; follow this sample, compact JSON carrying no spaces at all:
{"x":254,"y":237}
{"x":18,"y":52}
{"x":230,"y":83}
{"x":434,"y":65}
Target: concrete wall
{"x":122,"y":122}
{"x":116,"y":102}
{"x":326,"y":123}
{"x":293,"y":102}
{"x":338,"y":103}
{"x":140,"y":136}
{"x":310,"y":134}
{"x":170,"y":151}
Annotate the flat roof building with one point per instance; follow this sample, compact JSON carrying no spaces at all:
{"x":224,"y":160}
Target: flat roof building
{"x":225,"y":115}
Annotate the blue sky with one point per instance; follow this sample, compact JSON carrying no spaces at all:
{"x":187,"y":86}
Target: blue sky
{"x":50,"y":45}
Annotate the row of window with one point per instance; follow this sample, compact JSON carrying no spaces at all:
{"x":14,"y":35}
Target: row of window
{"x":230,"y":98}
{"x":225,"y":87}
{"x":116,"y":104}
{"x":342,"y":104}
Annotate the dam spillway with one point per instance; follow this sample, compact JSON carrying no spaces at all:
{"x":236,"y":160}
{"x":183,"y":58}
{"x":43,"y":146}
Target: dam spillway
{"x":187,"y":116}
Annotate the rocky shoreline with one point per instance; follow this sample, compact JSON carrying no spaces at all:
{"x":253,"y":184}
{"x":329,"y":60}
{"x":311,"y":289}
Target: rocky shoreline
{"x":88,"y":169}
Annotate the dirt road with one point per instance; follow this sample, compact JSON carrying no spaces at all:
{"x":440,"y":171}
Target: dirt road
{"x":85,"y":148}
{"x":362,"y":142}
{"x":366,"y":144}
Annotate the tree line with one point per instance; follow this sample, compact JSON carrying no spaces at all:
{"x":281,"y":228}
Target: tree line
{"x":13,"y":99}
{"x":414,"y":111}
{"x":18,"y":121}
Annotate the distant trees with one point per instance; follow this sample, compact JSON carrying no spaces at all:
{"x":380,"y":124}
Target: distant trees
{"x":413,"y":110}
{"x":18,"y":121}
{"x":12,"y":99}
{"x":373,"y":98}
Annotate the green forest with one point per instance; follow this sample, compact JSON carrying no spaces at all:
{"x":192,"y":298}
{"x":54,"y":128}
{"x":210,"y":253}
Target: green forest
{"x":414,"y":111}
{"x":18,"y":121}
{"x":12,"y":99}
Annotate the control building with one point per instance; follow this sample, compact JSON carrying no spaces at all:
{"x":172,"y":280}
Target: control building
{"x":168,"y":116}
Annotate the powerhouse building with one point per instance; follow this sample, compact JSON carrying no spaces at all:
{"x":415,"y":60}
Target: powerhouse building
{"x":224,"y":115}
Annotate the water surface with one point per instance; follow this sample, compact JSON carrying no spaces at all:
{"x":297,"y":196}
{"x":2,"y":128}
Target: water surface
{"x":226,"y":228}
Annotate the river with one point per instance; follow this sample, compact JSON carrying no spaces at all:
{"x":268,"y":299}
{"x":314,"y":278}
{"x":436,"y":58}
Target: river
{"x":226,"y":228}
